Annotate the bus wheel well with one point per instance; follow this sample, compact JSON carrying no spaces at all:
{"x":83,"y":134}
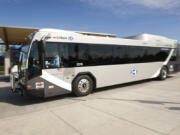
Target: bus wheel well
{"x":90,"y":75}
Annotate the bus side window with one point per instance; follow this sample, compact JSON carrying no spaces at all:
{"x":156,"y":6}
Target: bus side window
{"x":52,"y":57}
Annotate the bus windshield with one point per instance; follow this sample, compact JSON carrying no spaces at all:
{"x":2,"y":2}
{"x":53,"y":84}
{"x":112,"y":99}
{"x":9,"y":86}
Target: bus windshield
{"x":23,"y":58}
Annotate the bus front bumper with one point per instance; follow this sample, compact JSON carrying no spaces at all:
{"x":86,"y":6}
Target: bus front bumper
{"x":35,"y":93}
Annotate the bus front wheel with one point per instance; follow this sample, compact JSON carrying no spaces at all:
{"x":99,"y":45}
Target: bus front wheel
{"x":163,"y":73}
{"x":82,"y":85}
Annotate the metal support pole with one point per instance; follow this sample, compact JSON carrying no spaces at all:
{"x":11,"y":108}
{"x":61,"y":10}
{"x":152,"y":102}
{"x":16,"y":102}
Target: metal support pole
{"x":7,"y":54}
{"x":6,"y":39}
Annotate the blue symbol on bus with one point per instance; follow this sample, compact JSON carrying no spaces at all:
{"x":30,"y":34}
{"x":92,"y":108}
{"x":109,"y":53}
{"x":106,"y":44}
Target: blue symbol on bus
{"x":133,"y":72}
{"x":70,"y":38}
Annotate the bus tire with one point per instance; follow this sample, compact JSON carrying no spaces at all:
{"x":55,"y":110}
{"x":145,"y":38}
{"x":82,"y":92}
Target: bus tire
{"x":163,"y":74}
{"x":82,"y":85}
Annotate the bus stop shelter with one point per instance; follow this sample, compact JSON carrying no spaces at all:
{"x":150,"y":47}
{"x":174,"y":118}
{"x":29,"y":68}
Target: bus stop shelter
{"x":13,"y":36}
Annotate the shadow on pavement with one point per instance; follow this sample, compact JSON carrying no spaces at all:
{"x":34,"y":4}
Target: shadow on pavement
{"x":174,"y":108}
{"x":142,"y":101}
{"x":148,"y":102}
{"x":7,"y":96}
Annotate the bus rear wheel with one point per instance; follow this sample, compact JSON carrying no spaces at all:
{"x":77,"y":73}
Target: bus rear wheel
{"x":82,"y":85}
{"x":163,"y":73}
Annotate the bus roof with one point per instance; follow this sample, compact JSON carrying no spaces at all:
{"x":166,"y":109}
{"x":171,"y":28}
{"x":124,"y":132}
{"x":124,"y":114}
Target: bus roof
{"x":56,"y":35}
{"x":149,"y":37}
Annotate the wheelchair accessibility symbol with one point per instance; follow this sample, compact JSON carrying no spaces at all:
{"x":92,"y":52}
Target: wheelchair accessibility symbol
{"x":133,"y":72}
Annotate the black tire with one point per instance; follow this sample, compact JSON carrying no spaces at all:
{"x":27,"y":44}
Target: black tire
{"x":82,"y":85}
{"x":163,"y":74}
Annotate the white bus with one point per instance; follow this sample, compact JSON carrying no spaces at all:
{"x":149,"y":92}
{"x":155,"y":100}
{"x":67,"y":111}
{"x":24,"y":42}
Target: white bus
{"x":59,"y":62}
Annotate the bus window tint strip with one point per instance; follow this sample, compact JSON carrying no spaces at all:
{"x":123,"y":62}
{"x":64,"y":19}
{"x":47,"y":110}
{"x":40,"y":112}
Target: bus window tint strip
{"x":74,"y":54}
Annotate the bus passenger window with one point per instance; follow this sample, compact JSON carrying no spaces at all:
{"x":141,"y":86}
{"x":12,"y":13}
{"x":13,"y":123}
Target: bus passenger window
{"x":52,"y":57}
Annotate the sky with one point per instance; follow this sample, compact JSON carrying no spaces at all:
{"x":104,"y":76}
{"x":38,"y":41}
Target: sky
{"x":120,"y":17}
